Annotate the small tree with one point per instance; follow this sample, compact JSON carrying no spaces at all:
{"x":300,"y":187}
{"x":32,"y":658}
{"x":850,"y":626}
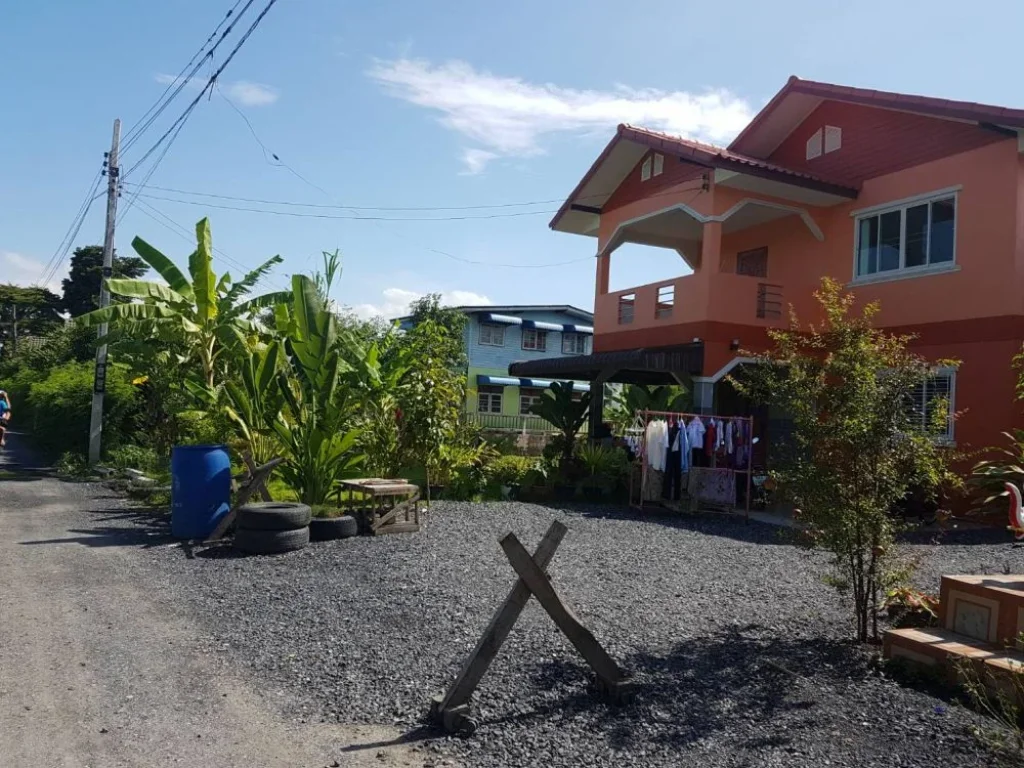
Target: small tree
{"x":856,"y":447}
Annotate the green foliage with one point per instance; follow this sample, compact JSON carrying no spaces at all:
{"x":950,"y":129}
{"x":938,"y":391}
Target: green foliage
{"x":559,"y":408}
{"x":631,"y":398}
{"x":71,"y":464}
{"x":855,"y":450}
{"x":81,"y":288}
{"x":305,"y":392}
{"x":26,"y":311}
{"x":510,"y":470}
{"x":989,"y":477}
{"x":605,"y":467}
{"x":57,"y":408}
{"x":134,"y":457}
{"x":1000,"y":696}
{"x":202,"y":315}
{"x":430,"y":385}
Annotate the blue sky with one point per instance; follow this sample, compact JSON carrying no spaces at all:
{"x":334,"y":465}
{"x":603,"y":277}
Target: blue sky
{"x":439,"y":104}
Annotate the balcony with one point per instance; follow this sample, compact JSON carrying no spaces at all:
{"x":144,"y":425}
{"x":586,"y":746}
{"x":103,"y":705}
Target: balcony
{"x":726,"y":298}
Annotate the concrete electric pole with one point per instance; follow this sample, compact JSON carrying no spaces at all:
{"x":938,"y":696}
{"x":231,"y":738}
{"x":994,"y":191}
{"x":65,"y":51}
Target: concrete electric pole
{"x":100,"y":381}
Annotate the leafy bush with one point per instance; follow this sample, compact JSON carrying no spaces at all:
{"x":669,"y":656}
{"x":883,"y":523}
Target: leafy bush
{"x":134,"y":457}
{"x":604,"y":466}
{"x":510,"y":470}
{"x":59,"y":408}
{"x":72,"y":465}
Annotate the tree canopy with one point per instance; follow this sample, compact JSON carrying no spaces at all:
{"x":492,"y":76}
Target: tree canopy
{"x":82,"y":285}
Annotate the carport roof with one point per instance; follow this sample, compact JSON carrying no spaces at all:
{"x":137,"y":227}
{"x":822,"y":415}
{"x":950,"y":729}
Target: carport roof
{"x":652,"y":365}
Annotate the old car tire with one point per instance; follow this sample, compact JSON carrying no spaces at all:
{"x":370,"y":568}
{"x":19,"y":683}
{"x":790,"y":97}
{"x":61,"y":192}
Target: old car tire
{"x":255,"y":542}
{"x":329,"y":528}
{"x":273,"y":516}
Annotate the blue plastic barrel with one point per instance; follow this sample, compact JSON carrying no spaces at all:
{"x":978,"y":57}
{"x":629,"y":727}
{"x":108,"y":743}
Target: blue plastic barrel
{"x":200,"y":489}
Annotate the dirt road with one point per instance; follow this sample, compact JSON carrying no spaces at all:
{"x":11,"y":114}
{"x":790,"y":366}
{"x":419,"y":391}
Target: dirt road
{"x":96,"y":671}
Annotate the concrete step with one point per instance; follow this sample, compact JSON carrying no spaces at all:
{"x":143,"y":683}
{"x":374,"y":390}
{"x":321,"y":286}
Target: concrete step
{"x":989,"y":608}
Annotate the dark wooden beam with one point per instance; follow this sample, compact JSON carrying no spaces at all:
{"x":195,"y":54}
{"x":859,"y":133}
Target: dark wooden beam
{"x":585,"y":208}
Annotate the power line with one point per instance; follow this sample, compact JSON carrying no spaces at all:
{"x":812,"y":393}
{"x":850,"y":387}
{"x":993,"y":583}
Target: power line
{"x":176,"y":126}
{"x":181,"y":80}
{"x":339,"y":206}
{"x":356,"y":207}
{"x":188,"y":237}
{"x":57,"y":259}
{"x":301,"y":214}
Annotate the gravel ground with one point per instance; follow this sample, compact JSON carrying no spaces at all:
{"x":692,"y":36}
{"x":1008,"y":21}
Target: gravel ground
{"x":738,"y":648}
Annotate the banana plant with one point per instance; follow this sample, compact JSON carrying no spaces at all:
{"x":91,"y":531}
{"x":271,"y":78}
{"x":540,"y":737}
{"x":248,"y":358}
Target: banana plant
{"x":212,"y":313}
{"x":559,"y":407}
{"x":304,"y":392}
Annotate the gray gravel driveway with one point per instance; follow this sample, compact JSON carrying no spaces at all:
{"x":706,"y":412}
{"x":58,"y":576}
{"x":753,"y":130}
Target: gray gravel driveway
{"x":100,"y":668}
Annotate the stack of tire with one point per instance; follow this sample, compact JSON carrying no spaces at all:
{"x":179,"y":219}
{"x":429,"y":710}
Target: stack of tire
{"x":272,"y":527}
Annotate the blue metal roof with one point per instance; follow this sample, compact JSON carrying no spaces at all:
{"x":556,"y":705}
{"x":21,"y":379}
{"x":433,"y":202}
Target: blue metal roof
{"x":511,"y":381}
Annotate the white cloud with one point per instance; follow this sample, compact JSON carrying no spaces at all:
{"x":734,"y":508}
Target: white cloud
{"x":22,"y":270}
{"x":395,"y":302}
{"x":243,"y":92}
{"x":475,"y":160}
{"x":508,"y":116}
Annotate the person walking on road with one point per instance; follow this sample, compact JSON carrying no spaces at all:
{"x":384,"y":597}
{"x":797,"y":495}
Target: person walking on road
{"x":5,"y":416}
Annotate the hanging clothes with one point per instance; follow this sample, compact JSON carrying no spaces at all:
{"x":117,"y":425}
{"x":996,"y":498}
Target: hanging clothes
{"x":710,"y":439}
{"x":673,"y":464}
{"x":730,"y":429}
{"x":695,"y":435}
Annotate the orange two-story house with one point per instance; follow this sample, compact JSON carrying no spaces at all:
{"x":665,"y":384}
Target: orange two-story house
{"x":915,"y":202}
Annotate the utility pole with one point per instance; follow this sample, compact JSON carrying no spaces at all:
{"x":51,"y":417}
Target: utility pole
{"x":99,"y":387}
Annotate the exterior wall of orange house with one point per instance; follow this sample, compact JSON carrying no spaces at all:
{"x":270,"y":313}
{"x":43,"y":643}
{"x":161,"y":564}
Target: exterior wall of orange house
{"x":974,"y":314}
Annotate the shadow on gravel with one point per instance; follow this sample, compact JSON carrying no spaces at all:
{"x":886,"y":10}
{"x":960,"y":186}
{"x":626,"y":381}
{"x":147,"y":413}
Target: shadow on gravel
{"x":132,"y":527}
{"x":712,"y":524}
{"x":962,"y":537}
{"x":705,"y":686}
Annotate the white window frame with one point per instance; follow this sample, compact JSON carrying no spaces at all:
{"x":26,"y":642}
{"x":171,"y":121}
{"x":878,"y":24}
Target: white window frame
{"x":529,"y":395}
{"x":539,"y":341}
{"x":659,"y":164}
{"x":488,"y":391}
{"x":948,"y":437}
{"x":492,"y":330}
{"x":645,"y":169}
{"x":577,"y":343}
{"x":904,"y":271}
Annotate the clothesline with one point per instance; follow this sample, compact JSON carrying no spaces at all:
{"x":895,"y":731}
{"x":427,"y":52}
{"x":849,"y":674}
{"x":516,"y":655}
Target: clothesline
{"x":674,"y":444}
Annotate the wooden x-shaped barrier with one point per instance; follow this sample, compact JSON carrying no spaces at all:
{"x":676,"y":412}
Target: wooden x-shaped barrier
{"x":451,"y":711}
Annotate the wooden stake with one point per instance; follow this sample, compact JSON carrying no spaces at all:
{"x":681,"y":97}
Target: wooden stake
{"x":581,"y":637}
{"x":498,"y":629}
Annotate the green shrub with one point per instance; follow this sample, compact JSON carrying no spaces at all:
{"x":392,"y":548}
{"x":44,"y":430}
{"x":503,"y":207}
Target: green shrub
{"x":134,"y":457}
{"x":58,"y":408}
{"x":510,"y":470}
{"x":72,"y":464}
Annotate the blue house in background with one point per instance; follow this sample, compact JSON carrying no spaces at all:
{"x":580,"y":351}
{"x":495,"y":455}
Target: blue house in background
{"x":499,"y":335}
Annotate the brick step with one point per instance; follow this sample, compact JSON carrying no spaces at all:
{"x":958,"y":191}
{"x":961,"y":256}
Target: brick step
{"x":989,"y":608}
{"x":940,"y":648}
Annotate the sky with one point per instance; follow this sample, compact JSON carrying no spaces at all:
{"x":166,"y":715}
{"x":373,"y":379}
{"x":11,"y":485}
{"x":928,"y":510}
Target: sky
{"x":445,"y":106}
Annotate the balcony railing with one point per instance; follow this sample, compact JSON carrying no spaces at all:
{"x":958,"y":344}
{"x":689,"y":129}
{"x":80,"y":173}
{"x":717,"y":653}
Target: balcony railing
{"x":769,"y":301}
{"x":508,"y":422}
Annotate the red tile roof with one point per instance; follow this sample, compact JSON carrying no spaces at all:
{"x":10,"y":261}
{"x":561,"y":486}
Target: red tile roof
{"x":707,"y":154}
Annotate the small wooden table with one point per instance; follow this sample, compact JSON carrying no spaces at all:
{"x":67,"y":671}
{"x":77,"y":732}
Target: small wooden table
{"x":383,"y":505}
